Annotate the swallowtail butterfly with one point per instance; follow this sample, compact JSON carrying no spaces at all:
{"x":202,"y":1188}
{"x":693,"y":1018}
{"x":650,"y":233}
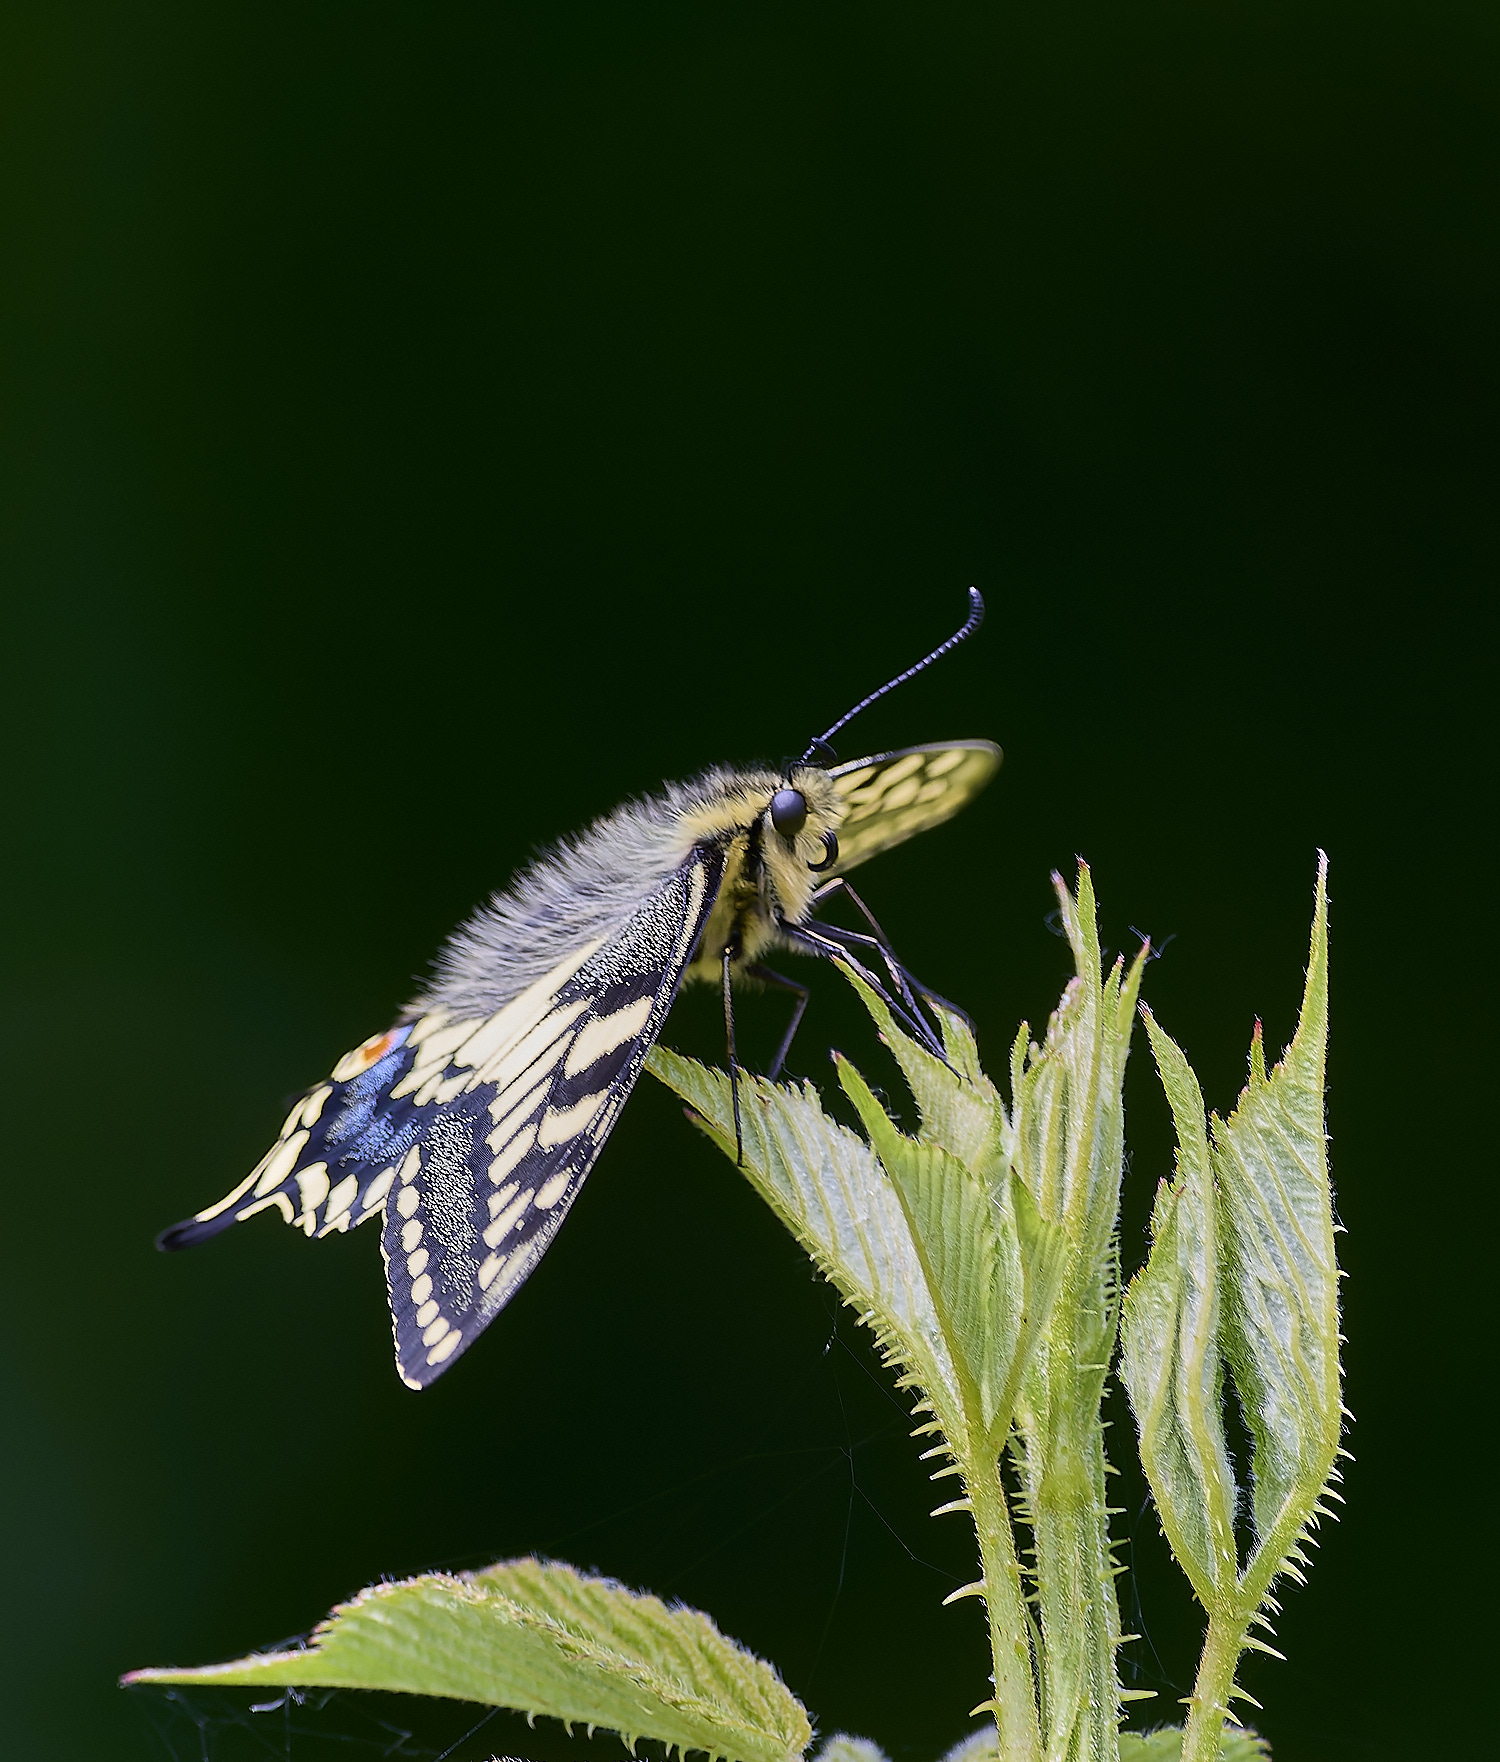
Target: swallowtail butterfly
{"x":469,"y":1127}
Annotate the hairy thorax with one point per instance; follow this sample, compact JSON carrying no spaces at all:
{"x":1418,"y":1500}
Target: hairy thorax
{"x":768,"y":878}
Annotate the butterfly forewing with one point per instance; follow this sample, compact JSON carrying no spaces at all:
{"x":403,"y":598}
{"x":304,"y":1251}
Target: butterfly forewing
{"x":889,"y":798}
{"x":474,"y":1135}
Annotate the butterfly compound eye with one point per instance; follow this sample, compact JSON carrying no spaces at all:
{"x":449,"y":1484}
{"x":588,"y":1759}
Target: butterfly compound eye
{"x":788,"y":812}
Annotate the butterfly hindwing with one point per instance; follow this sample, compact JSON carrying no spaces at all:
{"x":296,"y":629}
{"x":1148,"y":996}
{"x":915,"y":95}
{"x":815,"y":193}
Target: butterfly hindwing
{"x":542,"y":1086}
{"x":473,"y":1135}
{"x":889,"y":798}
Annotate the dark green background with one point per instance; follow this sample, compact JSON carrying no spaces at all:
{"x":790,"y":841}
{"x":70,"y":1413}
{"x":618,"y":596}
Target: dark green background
{"x":424,"y":426}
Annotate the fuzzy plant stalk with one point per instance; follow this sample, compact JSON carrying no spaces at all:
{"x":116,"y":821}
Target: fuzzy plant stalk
{"x":1067,"y":1144}
{"x":1240,"y":1292}
{"x":953,"y":1218}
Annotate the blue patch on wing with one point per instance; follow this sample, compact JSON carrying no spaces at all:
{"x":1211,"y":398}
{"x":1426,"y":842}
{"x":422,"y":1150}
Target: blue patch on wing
{"x":357,"y":1131}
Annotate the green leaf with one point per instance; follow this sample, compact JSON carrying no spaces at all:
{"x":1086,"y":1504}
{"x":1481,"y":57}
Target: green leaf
{"x":1045,"y":1253}
{"x":970,"y":1252}
{"x":1242,"y":1272}
{"x":1172,"y":1361}
{"x":960,"y":1108}
{"x":980,"y":1746}
{"x":1242,"y":1277}
{"x":1277,"y":1232}
{"x":973,"y":1271}
{"x":541,"y":1638}
{"x":826,"y":1186}
{"x":841,"y":1747}
{"x":1066,"y":1111}
{"x":1235,"y":1745}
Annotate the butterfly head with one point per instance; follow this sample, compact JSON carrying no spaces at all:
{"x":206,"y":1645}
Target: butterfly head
{"x":799,"y":828}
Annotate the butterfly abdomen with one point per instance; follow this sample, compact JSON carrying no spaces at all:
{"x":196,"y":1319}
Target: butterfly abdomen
{"x":582,"y":889}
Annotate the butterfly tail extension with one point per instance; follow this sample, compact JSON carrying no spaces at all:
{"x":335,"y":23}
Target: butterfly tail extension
{"x":193,"y":1230}
{"x":338,"y":1153}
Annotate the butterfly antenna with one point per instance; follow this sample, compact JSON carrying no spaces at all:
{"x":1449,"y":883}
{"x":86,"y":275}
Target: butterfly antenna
{"x":970,"y":625}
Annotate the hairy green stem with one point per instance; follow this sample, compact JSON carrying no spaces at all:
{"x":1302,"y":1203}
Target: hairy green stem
{"x":1015,"y":1705}
{"x":1209,"y":1705}
{"x":1064,"y":1481}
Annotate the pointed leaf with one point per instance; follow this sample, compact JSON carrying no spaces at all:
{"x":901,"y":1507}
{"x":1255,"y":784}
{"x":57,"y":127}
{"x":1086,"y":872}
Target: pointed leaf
{"x":541,"y":1638}
{"x":1067,"y":1148}
{"x":827,"y":1187}
{"x":1066,"y":1110}
{"x":841,"y":1747}
{"x":960,"y":1108}
{"x":1045,"y":1252}
{"x":970,"y":1252}
{"x":1235,"y":1745}
{"x":1172,"y":1361}
{"x":1277,"y":1231}
{"x":1242,"y":1274}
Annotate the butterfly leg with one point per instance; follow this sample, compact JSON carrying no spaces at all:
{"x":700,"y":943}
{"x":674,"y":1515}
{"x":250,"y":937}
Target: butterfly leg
{"x":901,"y":978}
{"x":734,"y":1078}
{"x":841,"y":885}
{"x":800,"y":992}
{"x":907,"y":980}
{"x":937,"y":997}
{"x":818,"y":941}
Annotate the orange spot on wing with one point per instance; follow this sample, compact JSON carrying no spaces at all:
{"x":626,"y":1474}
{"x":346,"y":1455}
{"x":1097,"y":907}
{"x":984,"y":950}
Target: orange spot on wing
{"x":374,"y":1049}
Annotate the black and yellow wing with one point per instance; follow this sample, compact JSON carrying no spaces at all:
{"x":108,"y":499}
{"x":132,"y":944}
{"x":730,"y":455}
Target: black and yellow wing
{"x":889,"y":798}
{"x":471,"y":1137}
